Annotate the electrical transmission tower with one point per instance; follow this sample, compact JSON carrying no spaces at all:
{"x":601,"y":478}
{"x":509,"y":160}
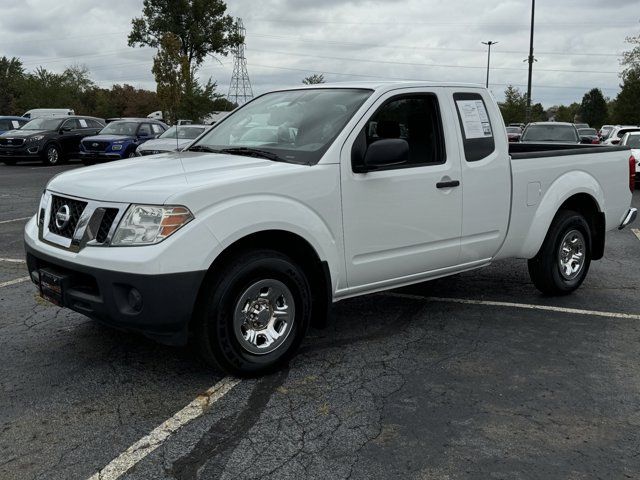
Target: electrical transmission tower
{"x":240,"y":88}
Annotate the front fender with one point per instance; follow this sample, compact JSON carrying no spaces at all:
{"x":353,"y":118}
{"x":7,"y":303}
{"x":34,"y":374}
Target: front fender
{"x":235,"y":218}
{"x":563,"y":188}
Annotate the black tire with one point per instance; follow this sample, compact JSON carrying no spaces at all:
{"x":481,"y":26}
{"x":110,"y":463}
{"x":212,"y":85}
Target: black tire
{"x":546,"y":268}
{"x":216,"y":331}
{"x":52,"y":155}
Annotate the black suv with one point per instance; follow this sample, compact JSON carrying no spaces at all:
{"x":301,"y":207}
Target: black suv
{"x":49,"y":139}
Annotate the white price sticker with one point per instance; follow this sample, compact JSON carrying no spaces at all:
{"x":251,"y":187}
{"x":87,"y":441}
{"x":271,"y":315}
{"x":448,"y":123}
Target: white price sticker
{"x":475,"y":120}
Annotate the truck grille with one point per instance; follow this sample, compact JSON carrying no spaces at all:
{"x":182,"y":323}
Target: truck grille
{"x":91,"y":146}
{"x":74,"y":209}
{"x":11,"y":142}
{"x":108,"y":218}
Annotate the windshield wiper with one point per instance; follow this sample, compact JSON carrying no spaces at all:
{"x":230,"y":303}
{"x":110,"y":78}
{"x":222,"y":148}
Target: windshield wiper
{"x":253,"y":152}
{"x":202,"y":148}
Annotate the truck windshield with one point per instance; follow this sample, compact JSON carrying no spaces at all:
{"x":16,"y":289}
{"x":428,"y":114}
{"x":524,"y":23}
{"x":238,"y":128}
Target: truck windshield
{"x":295,"y":126}
{"x":550,"y":133}
{"x":43,"y":124}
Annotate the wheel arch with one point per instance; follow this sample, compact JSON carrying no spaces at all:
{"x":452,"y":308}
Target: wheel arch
{"x":293,"y":245}
{"x":575,"y":190}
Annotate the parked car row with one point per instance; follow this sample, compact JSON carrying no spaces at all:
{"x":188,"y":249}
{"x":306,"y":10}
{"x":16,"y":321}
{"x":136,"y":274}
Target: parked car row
{"x":54,"y":139}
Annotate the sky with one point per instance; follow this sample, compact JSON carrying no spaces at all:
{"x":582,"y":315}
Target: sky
{"x":577,"y":42}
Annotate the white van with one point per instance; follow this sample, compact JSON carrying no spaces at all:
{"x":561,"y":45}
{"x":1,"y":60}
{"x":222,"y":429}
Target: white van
{"x":48,"y":112}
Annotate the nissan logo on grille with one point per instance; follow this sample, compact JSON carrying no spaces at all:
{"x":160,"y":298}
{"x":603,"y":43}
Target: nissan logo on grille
{"x":63,"y":216}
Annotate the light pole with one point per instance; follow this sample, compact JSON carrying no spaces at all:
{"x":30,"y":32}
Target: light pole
{"x":488,"y":44}
{"x":530,"y":59}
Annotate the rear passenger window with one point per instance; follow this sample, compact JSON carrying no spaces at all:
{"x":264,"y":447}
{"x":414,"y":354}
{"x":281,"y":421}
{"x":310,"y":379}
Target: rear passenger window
{"x":157,"y":128}
{"x":475,"y":125}
{"x":414,"y":118}
{"x":94,"y":123}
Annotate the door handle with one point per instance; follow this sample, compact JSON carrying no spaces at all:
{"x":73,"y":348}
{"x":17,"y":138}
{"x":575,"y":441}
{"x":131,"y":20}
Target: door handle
{"x":449,"y":184}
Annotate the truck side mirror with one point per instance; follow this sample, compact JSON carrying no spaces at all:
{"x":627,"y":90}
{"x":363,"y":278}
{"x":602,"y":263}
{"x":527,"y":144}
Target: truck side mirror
{"x":385,"y":153}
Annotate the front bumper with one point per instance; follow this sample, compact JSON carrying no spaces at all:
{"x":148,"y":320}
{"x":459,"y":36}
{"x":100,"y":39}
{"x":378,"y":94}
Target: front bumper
{"x":629,"y":217}
{"x":161,"y":309}
{"x":31,"y":152}
{"x":104,"y":156}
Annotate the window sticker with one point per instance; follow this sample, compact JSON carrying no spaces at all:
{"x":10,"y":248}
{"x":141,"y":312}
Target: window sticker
{"x":15,"y":124}
{"x":474,"y":119}
{"x":83,"y":123}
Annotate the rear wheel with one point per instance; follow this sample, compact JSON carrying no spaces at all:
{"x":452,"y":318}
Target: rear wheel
{"x":254,"y":313}
{"x":563,"y":261}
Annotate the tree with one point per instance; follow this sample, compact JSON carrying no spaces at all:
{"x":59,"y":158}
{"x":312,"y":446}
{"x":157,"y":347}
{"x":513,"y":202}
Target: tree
{"x":566,"y":113}
{"x":627,"y":106}
{"x":11,"y":76}
{"x":313,"y":79}
{"x":172,"y":72}
{"x":631,"y":59}
{"x":514,"y":106}
{"x":201,"y":26}
{"x":593,"y":109}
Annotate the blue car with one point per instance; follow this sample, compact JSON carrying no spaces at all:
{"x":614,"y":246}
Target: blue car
{"x":11,"y":123}
{"x":119,"y":139}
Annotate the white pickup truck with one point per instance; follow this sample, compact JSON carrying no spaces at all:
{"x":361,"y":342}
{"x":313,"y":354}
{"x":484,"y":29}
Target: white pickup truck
{"x":308,"y":196}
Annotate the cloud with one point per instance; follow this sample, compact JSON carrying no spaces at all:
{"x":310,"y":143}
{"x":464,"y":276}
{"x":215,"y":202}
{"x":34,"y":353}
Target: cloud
{"x":576,"y":45}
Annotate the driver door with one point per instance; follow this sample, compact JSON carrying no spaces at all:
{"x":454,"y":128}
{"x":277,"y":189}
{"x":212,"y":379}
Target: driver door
{"x":70,"y":137}
{"x":401,"y":221}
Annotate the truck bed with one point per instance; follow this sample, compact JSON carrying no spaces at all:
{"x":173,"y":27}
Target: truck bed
{"x":520,"y":151}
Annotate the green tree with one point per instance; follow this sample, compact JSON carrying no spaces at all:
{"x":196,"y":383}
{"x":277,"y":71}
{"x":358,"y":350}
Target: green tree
{"x":566,"y":113}
{"x":313,"y":79}
{"x":172,"y":72}
{"x":538,"y":113}
{"x":593,"y":109}
{"x":514,"y":106}
{"x":627,"y":105}
{"x":202,"y":27}
{"x":11,"y":76}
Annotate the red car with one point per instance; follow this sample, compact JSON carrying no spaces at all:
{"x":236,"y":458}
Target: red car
{"x":514,"y":134}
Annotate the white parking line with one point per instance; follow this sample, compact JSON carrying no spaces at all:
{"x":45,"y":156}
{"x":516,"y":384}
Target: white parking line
{"x":14,"y":282}
{"x":636,"y":232}
{"x":160,"y":434}
{"x":527,"y":306}
{"x":15,"y":220}
{"x":12,"y":260}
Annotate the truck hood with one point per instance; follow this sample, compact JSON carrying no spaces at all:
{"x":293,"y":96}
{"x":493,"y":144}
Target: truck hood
{"x":153,"y":180}
{"x":165,"y":144}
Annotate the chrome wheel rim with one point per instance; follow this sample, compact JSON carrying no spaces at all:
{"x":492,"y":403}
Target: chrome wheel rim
{"x":571,"y":255}
{"x":263,"y":316}
{"x":52,"y":155}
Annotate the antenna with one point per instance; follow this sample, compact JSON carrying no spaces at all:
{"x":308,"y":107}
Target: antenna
{"x":240,"y":87}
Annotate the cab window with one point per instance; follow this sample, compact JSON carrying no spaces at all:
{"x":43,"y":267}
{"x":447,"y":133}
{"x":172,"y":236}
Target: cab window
{"x":414,"y":118}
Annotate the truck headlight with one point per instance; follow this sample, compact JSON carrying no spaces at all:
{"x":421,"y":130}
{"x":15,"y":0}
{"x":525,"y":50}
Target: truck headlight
{"x":150,"y":224}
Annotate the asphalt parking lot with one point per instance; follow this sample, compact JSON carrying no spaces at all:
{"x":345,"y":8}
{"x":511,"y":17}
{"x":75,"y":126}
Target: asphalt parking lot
{"x":471,"y":377}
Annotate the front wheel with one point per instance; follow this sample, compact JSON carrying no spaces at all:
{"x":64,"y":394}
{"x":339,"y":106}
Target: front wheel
{"x":563,"y":261}
{"x":254,"y":313}
{"x":52,"y":155}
